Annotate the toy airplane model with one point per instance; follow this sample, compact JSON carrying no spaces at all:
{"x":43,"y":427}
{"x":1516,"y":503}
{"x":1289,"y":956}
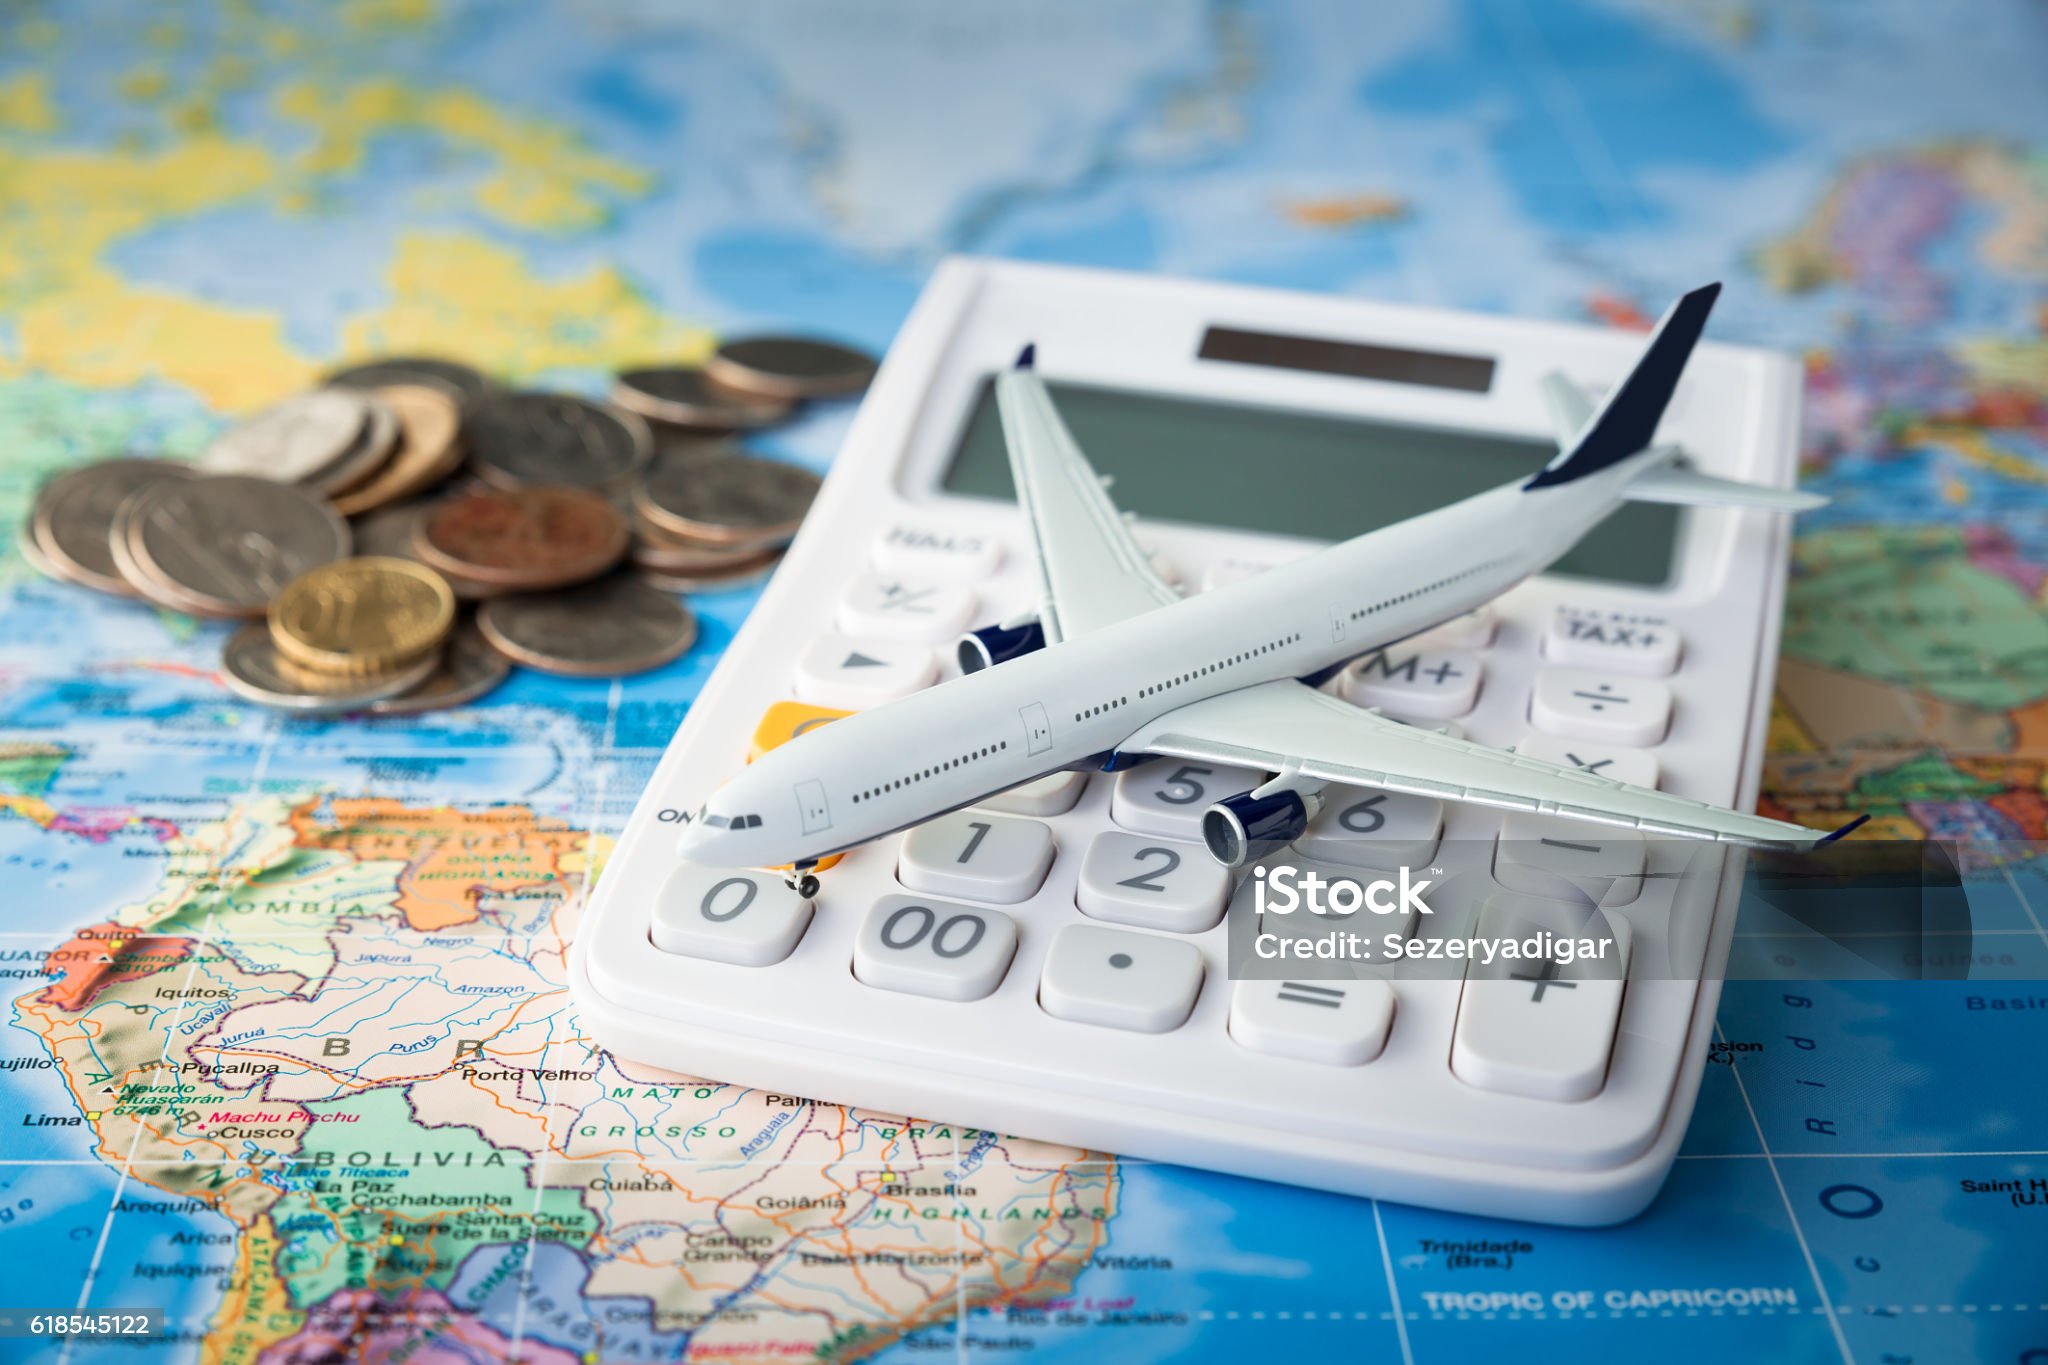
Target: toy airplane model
{"x":1117,"y":668}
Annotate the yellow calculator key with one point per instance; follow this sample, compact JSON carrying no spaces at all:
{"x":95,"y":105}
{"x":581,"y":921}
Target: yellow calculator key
{"x":780,"y":724}
{"x":784,"y":721}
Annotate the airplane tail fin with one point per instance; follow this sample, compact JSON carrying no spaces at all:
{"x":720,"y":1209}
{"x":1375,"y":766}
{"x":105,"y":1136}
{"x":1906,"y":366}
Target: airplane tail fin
{"x":1627,"y":421}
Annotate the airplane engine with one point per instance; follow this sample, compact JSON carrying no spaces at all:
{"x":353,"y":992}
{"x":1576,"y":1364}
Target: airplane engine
{"x":1244,"y":828}
{"x":992,"y":645}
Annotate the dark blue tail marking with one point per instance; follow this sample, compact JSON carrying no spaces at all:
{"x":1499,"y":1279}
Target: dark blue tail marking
{"x":1629,"y":420}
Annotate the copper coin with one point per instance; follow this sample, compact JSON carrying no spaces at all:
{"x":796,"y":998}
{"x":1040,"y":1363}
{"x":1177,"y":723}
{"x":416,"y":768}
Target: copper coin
{"x":524,"y":538}
{"x":615,"y":625}
{"x":428,"y":452}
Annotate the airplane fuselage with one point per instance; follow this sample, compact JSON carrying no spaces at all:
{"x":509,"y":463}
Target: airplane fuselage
{"x":1074,"y":703}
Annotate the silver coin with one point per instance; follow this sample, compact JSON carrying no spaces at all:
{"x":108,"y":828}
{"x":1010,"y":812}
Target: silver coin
{"x":741,"y":573}
{"x":469,"y":669}
{"x":790,"y":367}
{"x":389,"y":531}
{"x":293,"y":441}
{"x":450,"y":376}
{"x":252,"y":667}
{"x":615,"y":625}
{"x":73,"y":521}
{"x":726,"y":499}
{"x":371,"y":451}
{"x":517,"y":439}
{"x":680,"y":394}
{"x":224,"y":546}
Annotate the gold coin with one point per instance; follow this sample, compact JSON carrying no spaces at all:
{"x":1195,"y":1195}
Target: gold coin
{"x":360,"y":616}
{"x":429,"y":422}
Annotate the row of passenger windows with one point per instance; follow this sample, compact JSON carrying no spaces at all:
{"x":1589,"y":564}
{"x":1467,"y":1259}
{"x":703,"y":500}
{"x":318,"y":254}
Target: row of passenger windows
{"x":1227,"y":661}
{"x":1399,"y":598}
{"x":921,"y":774}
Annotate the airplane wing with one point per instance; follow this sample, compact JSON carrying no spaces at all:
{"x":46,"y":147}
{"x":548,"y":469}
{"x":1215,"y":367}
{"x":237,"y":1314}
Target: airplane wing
{"x":1285,"y":725}
{"x":1091,"y":572}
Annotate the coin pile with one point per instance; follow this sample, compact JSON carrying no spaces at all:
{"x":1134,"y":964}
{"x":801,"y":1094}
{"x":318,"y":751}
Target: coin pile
{"x":572,"y":527}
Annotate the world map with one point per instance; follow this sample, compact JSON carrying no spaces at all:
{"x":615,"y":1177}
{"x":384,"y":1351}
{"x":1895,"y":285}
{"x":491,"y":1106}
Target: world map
{"x":290,"y":1058}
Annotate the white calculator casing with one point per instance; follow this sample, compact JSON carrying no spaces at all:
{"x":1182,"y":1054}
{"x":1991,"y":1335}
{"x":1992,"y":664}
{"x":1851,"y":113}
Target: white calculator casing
{"x":1401,"y":1127}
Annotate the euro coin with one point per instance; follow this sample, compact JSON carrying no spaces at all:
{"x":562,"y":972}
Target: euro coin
{"x":790,"y":368}
{"x":72,"y":525}
{"x":615,"y":625}
{"x":523,"y":539}
{"x":518,"y":440}
{"x":362,"y":616}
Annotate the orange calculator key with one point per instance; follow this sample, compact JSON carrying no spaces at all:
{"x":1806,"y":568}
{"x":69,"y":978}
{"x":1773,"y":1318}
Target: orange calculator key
{"x":784,"y":721}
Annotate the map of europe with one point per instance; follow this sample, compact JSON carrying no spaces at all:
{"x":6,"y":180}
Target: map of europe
{"x":289,"y":1057}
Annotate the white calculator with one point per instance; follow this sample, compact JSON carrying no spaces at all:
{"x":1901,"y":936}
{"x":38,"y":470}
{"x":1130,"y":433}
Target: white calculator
{"x":1243,"y":428}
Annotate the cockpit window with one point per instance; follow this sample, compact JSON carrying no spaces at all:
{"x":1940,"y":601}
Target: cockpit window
{"x":733,"y":821}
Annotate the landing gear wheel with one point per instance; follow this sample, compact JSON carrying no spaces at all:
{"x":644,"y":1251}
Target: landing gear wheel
{"x":805,"y":885}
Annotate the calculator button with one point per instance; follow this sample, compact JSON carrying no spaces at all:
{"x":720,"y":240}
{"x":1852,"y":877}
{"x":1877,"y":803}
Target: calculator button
{"x":983,"y":857}
{"x":1337,"y":1023}
{"x":937,"y":552}
{"x":1605,"y":760}
{"x":889,"y":607}
{"x":750,"y":919}
{"x":1436,"y":684}
{"x":1603,"y":861}
{"x":1473,"y":630}
{"x":836,"y":671}
{"x":784,"y":721}
{"x":1541,"y":1029}
{"x":930,"y":947}
{"x":1360,"y":827}
{"x":1168,"y":797}
{"x":1579,"y":704}
{"x":1120,"y":980}
{"x":1611,"y":640}
{"x":1053,"y":794}
{"x":1152,"y":883}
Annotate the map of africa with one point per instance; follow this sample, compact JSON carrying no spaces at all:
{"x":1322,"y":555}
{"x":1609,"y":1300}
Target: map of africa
{"x":289,"y":1057}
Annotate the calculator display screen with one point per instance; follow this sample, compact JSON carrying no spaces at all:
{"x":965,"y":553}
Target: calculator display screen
{"x":1300,"y":474}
